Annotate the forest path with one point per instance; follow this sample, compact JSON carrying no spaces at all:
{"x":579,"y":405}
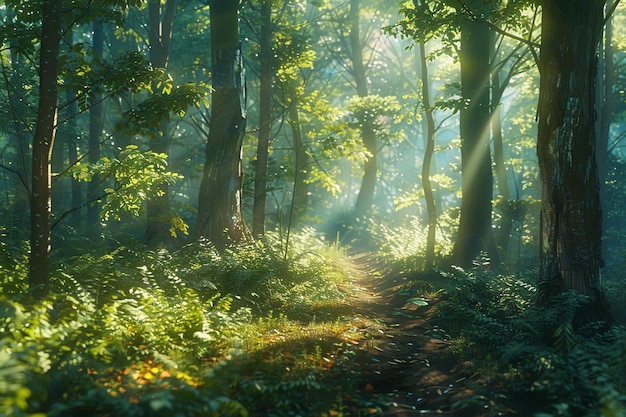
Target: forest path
{"x":407,"y":361}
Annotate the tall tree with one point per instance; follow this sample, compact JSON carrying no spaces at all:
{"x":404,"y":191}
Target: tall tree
{"x":43,"y":140}
{"x":160,"y":23}
{"x":302,"y":160}
{"x":571,"y":221}
{"x":265,"y":119}
{"x":474,"y":232}
{"x":365,"y":198}
{"x":219,"y":205}
{"x":429,"y":136}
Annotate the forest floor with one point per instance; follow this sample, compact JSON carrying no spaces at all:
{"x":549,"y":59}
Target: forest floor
{"x":409,"y":364}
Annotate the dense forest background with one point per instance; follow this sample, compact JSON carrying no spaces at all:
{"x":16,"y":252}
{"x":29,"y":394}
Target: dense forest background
{"x":178,"y":177}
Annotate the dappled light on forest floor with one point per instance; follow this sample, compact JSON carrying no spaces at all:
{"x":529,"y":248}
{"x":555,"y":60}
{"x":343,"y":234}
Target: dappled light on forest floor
{"x":408,"y":364}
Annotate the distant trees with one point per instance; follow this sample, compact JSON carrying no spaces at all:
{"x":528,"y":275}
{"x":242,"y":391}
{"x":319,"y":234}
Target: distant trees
{"x":465,"y":33}
{"x":34,"y":29}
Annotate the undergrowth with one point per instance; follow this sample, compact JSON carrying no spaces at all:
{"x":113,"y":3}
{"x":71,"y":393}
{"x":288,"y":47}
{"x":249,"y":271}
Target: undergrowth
{"x":194,"y":332}
{"x":404,"y":247}
{"x":532,"y":357}
{"x":531,"y":360}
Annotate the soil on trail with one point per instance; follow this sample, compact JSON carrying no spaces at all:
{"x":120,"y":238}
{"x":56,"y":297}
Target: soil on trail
{"x":407,"y":362}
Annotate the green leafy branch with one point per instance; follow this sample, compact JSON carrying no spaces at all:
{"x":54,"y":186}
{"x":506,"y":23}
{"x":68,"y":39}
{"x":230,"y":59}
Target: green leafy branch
{"x":138,"y":176}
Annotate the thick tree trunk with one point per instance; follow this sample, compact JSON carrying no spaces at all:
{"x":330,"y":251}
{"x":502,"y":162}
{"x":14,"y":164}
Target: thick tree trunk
{"x":474,"y":232}
{"x":43,"y":140}
{"x":265,"y":116}
{"x":160,"y":22}
{"x":365,"y":198}
{"x":219,"y":205}
{"x":571,"y":220}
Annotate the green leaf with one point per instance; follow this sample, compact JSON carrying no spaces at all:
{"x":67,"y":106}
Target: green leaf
{"x":418,"y":301}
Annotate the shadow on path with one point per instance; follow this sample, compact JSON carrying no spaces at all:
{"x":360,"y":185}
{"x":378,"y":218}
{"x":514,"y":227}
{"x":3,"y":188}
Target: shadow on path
{"x":407,"y":361}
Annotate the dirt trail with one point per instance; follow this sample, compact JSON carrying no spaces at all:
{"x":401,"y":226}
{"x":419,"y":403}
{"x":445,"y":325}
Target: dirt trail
{"x":407,"y":361}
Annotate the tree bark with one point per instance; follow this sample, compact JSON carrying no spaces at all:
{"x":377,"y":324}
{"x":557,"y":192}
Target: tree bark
{"x":219,"y":205}
{"x":265,"y":116}
{"x":474,"y":232}
{"x":43,"y":140}
{"x":571,"y":216}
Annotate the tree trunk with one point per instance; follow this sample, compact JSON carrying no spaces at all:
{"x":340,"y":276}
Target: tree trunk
{"x":300,"y":200}
{"x":219,"y":205}
{"x":506,"y":221}
{"x":474,"y":232}
{"x":606,"y":103}
{"x":43,"y":140}
{"x":57,"y":165}
{"x":71,"y":141}
{"x":365,"y":197}
{"x":429,"y":151}
{"x":265,"y":116}
{"x":506,"y":204}
{"x":160,"y":22}
{"x":571,"y":217}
